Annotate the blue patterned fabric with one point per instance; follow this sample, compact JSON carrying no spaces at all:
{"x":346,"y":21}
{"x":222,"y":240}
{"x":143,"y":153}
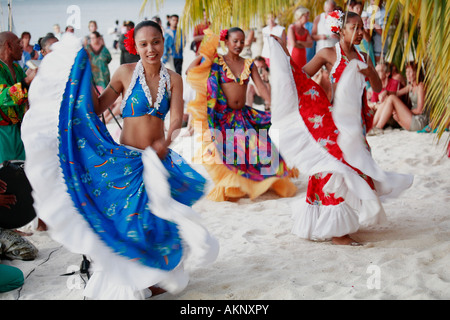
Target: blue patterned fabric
{"x":138,"y":105}
{"x":105,"y":180}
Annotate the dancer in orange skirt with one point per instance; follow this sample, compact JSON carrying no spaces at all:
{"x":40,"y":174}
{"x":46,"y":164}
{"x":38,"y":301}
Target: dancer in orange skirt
{"x":236,"y":149}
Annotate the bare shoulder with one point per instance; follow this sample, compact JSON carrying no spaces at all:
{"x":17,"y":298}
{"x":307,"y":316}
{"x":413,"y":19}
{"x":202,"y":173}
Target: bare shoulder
{"x":327,"y":52}
{"x":124,"y":71}
{"x":127,"y":68}
{"x":175,"y":78}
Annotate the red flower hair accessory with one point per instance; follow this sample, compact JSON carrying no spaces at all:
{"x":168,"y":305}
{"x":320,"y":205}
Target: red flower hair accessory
{"x":334,"y":20}
{"x":129,"y":43}
{"x":223,"y":34}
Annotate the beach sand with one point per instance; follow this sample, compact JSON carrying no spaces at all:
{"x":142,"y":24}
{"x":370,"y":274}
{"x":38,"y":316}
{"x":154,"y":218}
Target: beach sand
{"x":406,"y":258}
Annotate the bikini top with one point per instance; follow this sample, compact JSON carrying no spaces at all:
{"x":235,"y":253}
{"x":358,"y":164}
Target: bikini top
{"x":227,"y":76}
{"x":138,"y":99}
{"x":341,"y":63}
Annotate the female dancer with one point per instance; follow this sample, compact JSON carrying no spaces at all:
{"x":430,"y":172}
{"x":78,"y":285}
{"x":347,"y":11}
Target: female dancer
{"x":327,"y":139}
{"x":236,"y":149}
{"x":128,"y":206}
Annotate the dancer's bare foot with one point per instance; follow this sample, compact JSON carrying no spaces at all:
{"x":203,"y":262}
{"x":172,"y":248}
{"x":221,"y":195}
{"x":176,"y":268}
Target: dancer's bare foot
{"x":156,"y":290}
{"x":345,"y":241}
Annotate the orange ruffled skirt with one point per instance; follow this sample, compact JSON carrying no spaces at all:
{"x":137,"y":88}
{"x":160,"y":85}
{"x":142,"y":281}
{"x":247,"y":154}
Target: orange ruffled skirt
{"x":230,"y":183}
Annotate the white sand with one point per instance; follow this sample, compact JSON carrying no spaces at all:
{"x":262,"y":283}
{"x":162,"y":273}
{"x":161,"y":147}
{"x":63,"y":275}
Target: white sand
{"x":408,"y":258}
{"x":260,"y":259}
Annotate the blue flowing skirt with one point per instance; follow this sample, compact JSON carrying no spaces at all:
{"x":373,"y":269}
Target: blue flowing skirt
{"x":105,"y":180}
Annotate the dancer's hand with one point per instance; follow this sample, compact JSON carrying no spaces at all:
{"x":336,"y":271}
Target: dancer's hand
{"x":161,"y":148}
{"x":366,"y":72}
{"x":6,"y":200}
{"x":2,"y":186}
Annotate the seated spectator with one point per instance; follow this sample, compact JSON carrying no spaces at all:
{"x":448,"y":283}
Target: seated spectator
{"x":253,"y":96}
{"x":413,"y":119}
{"x":395,"y":74}
{"x":390,"y":85}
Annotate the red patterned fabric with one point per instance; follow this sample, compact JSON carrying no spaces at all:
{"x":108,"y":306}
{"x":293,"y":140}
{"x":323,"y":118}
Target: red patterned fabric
{"x":320,"y":123}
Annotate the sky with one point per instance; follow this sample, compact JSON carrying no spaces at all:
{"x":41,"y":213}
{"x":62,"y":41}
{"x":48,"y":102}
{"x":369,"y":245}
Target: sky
{"x":39,"y":16}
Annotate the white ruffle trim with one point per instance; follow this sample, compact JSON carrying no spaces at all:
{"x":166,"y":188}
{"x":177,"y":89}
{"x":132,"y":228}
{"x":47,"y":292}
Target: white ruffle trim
{"x":114,"y":276}
{"x":139,"y":74}
{"x":299,"y":149}
{"x":323,"y":222}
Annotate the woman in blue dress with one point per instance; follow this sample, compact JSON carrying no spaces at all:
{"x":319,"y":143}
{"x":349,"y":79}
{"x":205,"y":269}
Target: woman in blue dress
{"x":127,"y":206}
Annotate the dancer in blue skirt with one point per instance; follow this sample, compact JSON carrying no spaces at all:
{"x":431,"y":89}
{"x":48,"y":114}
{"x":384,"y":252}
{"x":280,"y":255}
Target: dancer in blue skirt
{"x":127,"y":206}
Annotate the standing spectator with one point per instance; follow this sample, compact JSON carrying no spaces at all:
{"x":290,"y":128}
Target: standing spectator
{"x":365,"y":46}
{"x":100,"y":57}
{"x":249,"y":39}
{"x":298,"y":37}
{"x":199,"y":32}
{"x":28,"y":52}
{"x":157,"y":19}
{"x":115,"y":32}
{"x":310,"y":52}
{"x":321,"y":32}
{"x":70,"y":29}
{"x":57,"y":31}
{"x":171,"y":51}
{"x":13,"y":97}
{"x":27,"y":47}
{"x":125,"y":56}
{"x":378,"y":13}
{"x":92,"y":26}
{"x":272,"y":28}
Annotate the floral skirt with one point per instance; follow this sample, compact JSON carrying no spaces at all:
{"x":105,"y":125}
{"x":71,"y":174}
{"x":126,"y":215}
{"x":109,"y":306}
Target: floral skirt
{"x":327,"y":142}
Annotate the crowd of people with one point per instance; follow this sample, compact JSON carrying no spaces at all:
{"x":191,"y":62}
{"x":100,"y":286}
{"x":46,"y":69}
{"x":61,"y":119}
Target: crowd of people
{"x":226,"y":87}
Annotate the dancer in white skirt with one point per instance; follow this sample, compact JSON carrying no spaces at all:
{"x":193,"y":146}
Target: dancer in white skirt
{"x":326,"y":140}
{"x":125,"y":206}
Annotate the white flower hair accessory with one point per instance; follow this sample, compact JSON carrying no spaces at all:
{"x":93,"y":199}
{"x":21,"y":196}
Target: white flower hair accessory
{"x":335,"y":20}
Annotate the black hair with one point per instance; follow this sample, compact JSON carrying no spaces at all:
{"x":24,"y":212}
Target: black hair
{"x":43,"y":41}
{"x":157,"y":19}
{"x":353,"y":3}
{"x":349,"y":15}
{"x":25,"y":33}
{"x":233,"y":30}
{"x":147,"y":23}
{"x":97,"y":34}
